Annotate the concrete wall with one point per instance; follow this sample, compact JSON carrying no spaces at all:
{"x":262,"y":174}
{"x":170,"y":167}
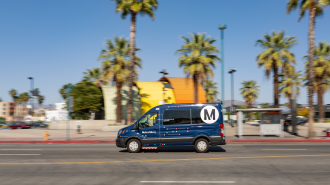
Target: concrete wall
{"x":84,"y":124}
{"x":110,"y":94}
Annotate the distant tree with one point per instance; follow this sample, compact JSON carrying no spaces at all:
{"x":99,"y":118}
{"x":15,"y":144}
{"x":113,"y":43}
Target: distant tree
{"x":41,"y":99}
{"x":321,"y":82}
{"x":115,"y":66}
{"x":315,"y":8}
{"x":87,"y":97}
{"x":265,"y":105}
{"x":63,"y":91}
{"x":0,"y":100}
{"x":134,"y":7}
{"x":250,"y":92}
{"x":13,"y":94}
{"x":276,"y":54}
{"x":24,"y":97}
{"x":93,"y":75}
{"x":291,"y":79}
{"x":210,"y":91}
{"x":197,"y":58}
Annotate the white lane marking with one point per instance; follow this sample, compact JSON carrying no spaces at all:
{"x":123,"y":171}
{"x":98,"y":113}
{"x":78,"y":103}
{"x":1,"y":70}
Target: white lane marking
{"x":283,"y":149}
{"x":199,"y":182}
{"x":20,"y":154}
{"x":20,"y":149}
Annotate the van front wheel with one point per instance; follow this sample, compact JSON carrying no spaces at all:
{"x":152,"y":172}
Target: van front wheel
{"x":202,"y":145}
{"x":133,"y":146}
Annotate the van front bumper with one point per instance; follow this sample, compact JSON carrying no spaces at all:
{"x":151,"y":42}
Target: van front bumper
{"x":120,"y":142}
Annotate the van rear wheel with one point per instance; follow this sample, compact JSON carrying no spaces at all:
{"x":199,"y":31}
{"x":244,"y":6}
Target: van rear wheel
{"x":202,"y":145}
{"x":133,"y":146}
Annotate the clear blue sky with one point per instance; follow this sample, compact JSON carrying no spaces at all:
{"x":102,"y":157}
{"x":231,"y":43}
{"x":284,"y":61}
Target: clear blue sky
{"x":56,"y":41}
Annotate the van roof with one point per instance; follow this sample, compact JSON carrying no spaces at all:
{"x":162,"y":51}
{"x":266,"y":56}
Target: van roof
{"x":186,"y":105}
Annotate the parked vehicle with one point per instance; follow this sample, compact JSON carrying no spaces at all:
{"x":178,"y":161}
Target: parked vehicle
{"x":19,"y":125}
{"x":3,"y":125}
{"x":38,"y":125}
{"x":200,"y":125}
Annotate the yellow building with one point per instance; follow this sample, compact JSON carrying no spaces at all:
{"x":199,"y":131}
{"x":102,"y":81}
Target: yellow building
{"x":153,"y":93}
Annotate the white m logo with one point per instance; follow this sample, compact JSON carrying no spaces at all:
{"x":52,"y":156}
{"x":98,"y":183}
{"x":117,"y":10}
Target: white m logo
{"x":209,"y":114}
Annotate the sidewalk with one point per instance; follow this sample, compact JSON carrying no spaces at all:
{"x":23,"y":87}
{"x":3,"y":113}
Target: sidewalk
{"x":251,"y":133}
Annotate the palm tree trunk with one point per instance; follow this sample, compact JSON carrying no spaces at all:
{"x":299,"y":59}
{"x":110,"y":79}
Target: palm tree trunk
{"x":320,"y":99}
{"x":195,"y":88}
{"x":118,"y":101}
{"x":130,"y":77}
{"x":250,"y":113}
{"x":311,"y":69}
{"x":275,"y":86}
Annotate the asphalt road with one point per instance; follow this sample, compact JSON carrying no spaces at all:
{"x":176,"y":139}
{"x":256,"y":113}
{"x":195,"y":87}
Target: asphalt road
{"x":106,"y":164}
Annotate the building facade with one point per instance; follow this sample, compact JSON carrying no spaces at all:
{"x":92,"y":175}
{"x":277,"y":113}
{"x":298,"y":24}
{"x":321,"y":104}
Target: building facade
{"x":7,"y":110}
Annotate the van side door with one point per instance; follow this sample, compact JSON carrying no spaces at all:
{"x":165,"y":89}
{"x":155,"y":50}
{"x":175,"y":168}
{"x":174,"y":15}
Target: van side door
{"x":175,"y":128}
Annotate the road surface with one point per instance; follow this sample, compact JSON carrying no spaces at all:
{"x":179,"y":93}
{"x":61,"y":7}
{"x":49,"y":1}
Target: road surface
{"x":264,"y":164}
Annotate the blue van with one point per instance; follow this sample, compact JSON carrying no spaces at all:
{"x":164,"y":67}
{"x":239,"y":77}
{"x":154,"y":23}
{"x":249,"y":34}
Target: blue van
{"x":199,"y":124}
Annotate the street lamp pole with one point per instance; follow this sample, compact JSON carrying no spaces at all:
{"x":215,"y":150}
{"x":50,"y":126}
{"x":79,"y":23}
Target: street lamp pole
{"x":31,"y":89}
{"x":222,"y":27}
{"x":232,"y":71}
{"x":164,"y":74}
{"x":68,"y":98}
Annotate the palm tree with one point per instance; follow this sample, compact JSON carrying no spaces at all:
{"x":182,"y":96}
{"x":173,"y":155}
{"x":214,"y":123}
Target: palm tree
{"x":134,"y":7}
{"x":321,"y":66}
{"x":93,"y":75}
{"x":24,"y":97}
{"x":13,"y":94}
{"x":275,"y":56}
{"x":291,"y":80}
{"x":116,"y":66}
{"x":250,"y":92}
{"x":315,"y":8}
{"x":41,"y":99}
{"x":210,"y":91}
{"x":197,"y":58}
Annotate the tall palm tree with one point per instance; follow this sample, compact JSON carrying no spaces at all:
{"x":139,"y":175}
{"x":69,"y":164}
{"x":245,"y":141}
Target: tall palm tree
{"x":321,"y":66}
{"x":13,"y":94}
{"x":41,"y":99}
{"x":250,"y":92}
{"x":210,"y":91}
{"x":315,"y":8}
{"x":24,"y":97}
{"x":116,"y":66}
{"x":291,"y":79}
{"x":134,"y":7}
{"x":93,"y":75}
{"x":275,"y":56}
{"x":197,"y":58}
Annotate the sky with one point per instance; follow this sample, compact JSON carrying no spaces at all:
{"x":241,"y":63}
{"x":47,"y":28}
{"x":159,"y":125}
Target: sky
{"x":56,"y":41}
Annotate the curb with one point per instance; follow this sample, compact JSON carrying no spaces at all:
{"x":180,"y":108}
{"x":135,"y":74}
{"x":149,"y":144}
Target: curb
{"x":55,"y":142}
{"x":227,"y":141}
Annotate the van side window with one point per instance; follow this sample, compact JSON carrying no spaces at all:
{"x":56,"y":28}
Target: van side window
{"x":196,"y":116}
{"x":174,"y":117}
{"x":148,"y":120}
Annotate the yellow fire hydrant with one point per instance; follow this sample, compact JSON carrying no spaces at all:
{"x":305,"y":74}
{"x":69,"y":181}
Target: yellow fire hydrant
{"x":46,"y":136}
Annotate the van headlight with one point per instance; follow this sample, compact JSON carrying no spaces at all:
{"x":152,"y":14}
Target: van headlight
{"x":119,"y":132}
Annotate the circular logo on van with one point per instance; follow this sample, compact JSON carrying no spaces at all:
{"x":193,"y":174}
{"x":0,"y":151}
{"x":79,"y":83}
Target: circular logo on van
{"x":209,"y":114}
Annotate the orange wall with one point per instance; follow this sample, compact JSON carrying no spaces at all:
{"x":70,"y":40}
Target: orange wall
{"x":184,"y":90}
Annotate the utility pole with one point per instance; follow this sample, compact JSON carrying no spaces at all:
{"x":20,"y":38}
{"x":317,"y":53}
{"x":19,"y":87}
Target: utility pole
{"x":68,"y":100}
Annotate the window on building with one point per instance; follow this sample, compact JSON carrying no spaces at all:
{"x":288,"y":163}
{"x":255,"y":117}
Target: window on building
{"x":196,"y":116}
{"x":174,"y":117}
{"x":4,"y":113}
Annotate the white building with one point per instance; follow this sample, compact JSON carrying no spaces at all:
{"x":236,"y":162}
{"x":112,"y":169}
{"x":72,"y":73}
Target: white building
{"x":60,"y":113}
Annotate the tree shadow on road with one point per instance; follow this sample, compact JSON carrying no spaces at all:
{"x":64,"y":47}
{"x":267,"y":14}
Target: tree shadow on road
{"x":178,"y":149}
